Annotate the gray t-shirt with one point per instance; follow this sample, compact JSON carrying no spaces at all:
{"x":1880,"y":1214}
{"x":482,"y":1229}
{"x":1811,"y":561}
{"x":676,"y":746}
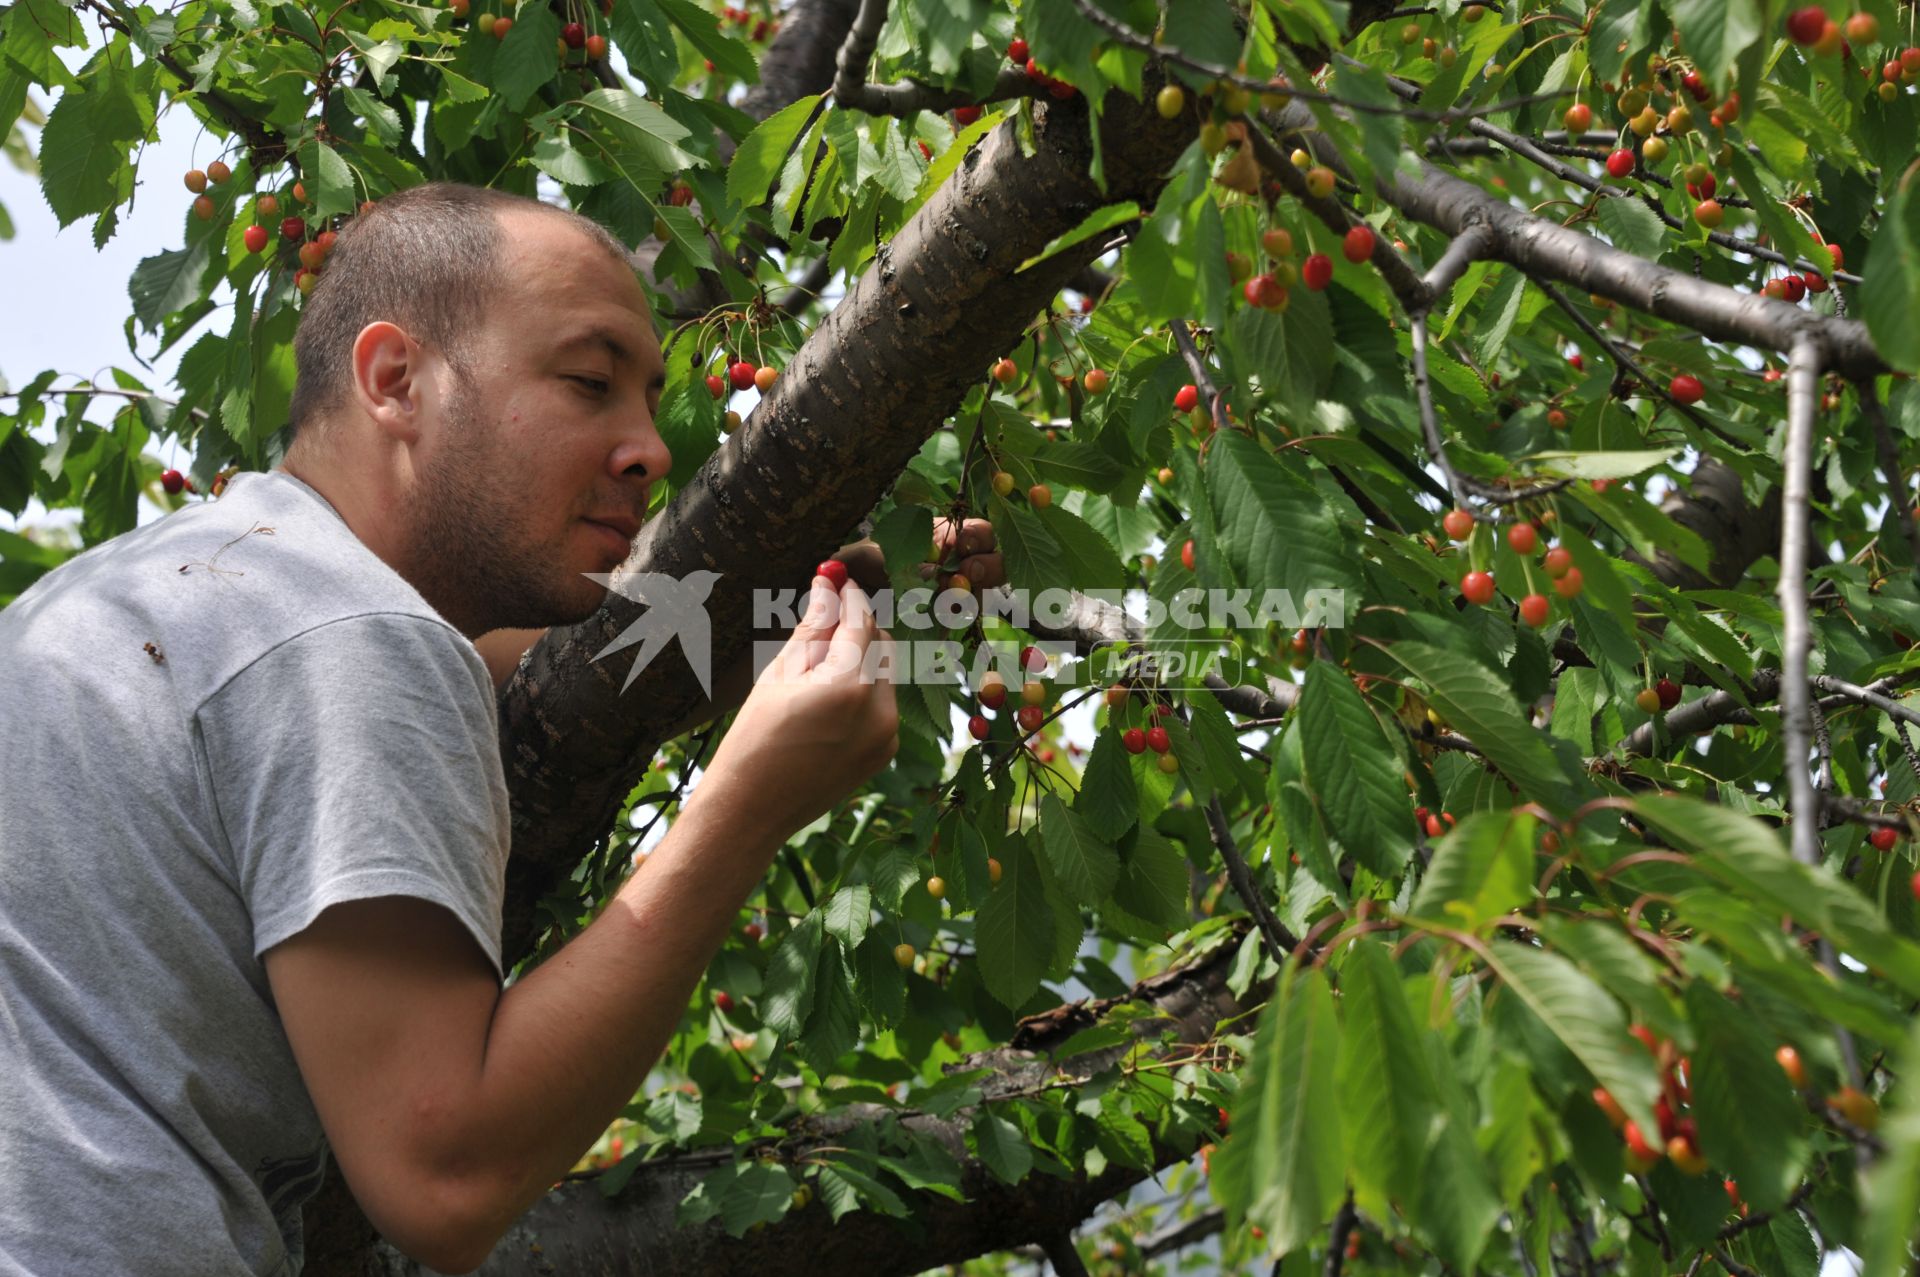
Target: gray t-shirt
{"x":304,"y":730}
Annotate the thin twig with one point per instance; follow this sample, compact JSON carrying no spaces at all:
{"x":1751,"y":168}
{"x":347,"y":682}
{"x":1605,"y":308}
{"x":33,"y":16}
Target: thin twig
{"x":1203,"y":380}
{"x":1343,"y":1221}
{"x":1280,"y":941}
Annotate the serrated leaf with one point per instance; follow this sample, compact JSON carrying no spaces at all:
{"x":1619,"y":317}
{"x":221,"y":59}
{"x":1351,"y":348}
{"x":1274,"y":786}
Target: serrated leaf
{"x":1014,"y":929}
{"x":1481,"y":869}
{"x":1153,"y":881}
{"x":525,"y":60}
{"x":83,"y":149}
{"x":1087,"y":561}
{"x":761,"y":1192}
{"x":1585,"y":1019}
{"x":1033,"y":559}
{"x":1752,"y":1125}
{"x":833,"y":1026}
{"x":641,"y":124}
{"x":1890,"y":289}
{"x":846,"y":1189}
{"x":1085,"y":863}
{"x":1631,"y":226}
{"x":847,"y":913}
{"x":1001,"y":1146}
{"x":786,"y":1000}
{"x":1601,"y":465}
{"x":1481,"y":706}
{"x":1353,"y":772}
{"x":1285,"y":1167}
{"x":1274,"y":526}
{"x":1387,"y":1096}
{"x":332,"y":181}
{"x":1716,"y":33}
{"x":879,"y":983}
{"x":1108,"y":801}
{"x":765,"y":150}
{"x":167,"y":282}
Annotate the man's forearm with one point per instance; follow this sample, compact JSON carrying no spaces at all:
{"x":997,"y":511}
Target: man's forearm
{"x":571,"y":1043}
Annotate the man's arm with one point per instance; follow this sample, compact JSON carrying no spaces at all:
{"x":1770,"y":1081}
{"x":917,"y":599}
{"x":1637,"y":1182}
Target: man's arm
{"x":452,"y":1106}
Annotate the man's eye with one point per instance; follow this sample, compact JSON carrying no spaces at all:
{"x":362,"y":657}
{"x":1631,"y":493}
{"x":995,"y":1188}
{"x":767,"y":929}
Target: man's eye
{"x":593,"y":385}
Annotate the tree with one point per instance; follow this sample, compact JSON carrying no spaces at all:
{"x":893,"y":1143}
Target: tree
{"x":1557,"y":921}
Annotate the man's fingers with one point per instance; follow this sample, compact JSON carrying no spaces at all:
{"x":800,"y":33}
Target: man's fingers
{"x":986,"y":570}
{"x":976,"y":537}
{"x":848,"y":646}
{"x":808,"y":642}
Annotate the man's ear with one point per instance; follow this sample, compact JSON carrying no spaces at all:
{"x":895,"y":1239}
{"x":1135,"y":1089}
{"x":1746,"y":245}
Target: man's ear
{"x":390,"y":379}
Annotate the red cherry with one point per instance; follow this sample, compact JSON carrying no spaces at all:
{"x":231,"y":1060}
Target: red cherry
{"x":978,"y":727}
{"x":1883,"y":839}
{"x":1909,"y":61}
{"x":716,"y":384}
{"x":1916,"y":886}
{"x":1569,"y":584}
{"x":1804,"y":26}
{"x":1186,"y":398}
{"x":993,"y":692}
{"x":1696,"y":86}
{"x":1186,"y":556}
{"x":1434,"y":828}
{"x":293,"y":228}
{"x":1358,"y":245}
{"x":1815,"y":282}
{"x":574,"y":35}
{"x":1578,"y":117}
{"x":1032,"y":659}
{"x":723,"y":1000}
{"x":1458,"y":525}
{"x":1522,"y":537}
{"x":1796,"y":287}
{"x":1637,"y":1143}
{"x":1158,"y":740}
{"x":1686,"y":388}
{"x":1620,"y":163}
{"x":753,"y":931}
{"x":965,"y":115}
{"x":597,"y":47}
{"x":740,"y":374}
{"x":1265,"y":291}
{"x":255,"y":238}
{"x":172,"y":481}
{"x":1134,"y":739}
{"x":1534,"y":609}
{"x":1017,"y":51}
{"x":1668,"y":691}
{"x":1477,"y":587}
{"x":1316,"y":272}
{"x":1577,"y":361}
{"x":1030,"y":717}
{"x":834,"y":570}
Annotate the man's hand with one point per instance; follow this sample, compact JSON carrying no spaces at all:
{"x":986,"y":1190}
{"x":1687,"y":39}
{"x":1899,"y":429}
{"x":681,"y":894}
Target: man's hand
{"x":972,"y":541}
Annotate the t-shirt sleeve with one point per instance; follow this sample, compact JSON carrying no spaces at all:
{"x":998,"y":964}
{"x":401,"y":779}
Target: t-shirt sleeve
{"x":361,"y":759}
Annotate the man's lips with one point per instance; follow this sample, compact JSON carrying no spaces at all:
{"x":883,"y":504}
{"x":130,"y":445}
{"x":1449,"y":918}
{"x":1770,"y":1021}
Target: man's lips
{"x":625,"y":524}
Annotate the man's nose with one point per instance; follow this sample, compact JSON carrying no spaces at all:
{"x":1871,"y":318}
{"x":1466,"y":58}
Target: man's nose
{"x":642,"y":455}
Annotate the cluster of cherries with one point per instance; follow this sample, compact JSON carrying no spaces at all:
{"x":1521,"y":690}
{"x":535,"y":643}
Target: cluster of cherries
{"x":742,"y":375}
{"x":293,"y":229}
{"x":1524,"y":539}
{"x":1138,"y":740}
{"x":1033,"y":696}
{"x":758,"y":28}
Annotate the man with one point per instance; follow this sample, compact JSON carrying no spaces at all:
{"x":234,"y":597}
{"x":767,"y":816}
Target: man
{"x":254,"y":826}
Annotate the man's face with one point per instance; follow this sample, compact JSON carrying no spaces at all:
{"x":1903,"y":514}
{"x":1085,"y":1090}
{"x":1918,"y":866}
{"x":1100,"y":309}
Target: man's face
{"x":549,"y":433}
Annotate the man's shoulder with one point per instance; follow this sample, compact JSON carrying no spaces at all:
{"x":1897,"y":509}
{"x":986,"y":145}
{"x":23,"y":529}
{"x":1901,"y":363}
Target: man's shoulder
{"x":214,"y":587}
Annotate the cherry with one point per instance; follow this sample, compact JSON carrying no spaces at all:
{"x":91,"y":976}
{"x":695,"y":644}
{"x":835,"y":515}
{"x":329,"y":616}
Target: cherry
{"x":1578,"y":117}
{"x":1577,"y":361}
{"x":1186,"y":398}
{"x":1686,"y":1159}
{"x":1708,"y":211}
{"x":1266,"y":292}
{"x":1239,"y":266}
{"x":1569,"y":584}
{"x":1320,"y":182}
{"x":965,"y":115}
{"x":596,"y":47}
{"x":1168,"y":764}
{"x":1278,"y":241}
{"x":723,"y":1000}
{"x":753,"y":931}
{"x":1170,"y":101}
{"x":1534,"y":610}
{"x":740,"y":373}
{"x":1916,"y":886}
{"x":1030,"y":717}
{"x":1040,"y":496}
{"x":255,"y":238}
{"x":1795,"y":287}
{"x":1158,"y":740}
{"x":311,"y":255}
{"x":834,"y":570}
{"x":293,"y":228}
{"x":1134,"y":739}
{"x":680,"y":195}
{"x":993,"y":691}
{"x":993,"y":871}
{"x":1910,"y":65}
{"x":1017,"y":51}
{"x":937,"y":887}
{"x":304,"y":280}
{"x":1637,"y":1143}
{"x":196,"y":180}
{"x":1458,"y":525}
{"x":903,"y":955}
{"x":1863,"y":28}
{"x":1032,"y":659}
{"x":1789,"y":1060}
{"x":1696,"y":86}
{"x":1186,"y":556}
{"x":1686,"y":388}
{"x":1648,"y":700}
{"x":978,"y":727}
{"x":218,"y":172}
{"x":172,"y":481}
{"x":1004,"y":371}
{"x":1653,"y":150}
{"x":1814,"y":281}
{"x":1033,"y":692}
{"x":1857,"y":1108}
{"x":1884,"y":838}
{"x":1434,"y":828}
{"x":574,"y":35}
{"x":1095,"y":381}
{"x":1477,"y":587}
{"x":501,"y":26}
{"x":1610,"y":1106}
{"x":1556,"y":419}
{"x":1620,"y":162}
{"x":203,"y":208}
{"x":1669,"y":693}
{"x":1165,"y":475}
{"x":267,"y":206}
{"x":1557,"y":561}
{"x":1117,"y":696}
{"x":1358,"y":244}
{"x":1317,"y":272}
{"x":716,"y":384}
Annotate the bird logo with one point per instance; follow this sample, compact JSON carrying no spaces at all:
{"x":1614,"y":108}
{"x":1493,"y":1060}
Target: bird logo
{"x":676,"y":607}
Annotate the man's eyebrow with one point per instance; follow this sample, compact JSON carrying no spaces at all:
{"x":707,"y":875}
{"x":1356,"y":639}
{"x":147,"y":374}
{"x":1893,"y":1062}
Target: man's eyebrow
{"x":604,"y":337}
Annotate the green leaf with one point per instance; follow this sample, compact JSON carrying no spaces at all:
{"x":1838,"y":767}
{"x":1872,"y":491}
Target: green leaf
{"x":1276,"y":529}
{"x":1716,"y":33}
{"x":833,"y":1028}
{"x":1101,"y":219}
{"x":83,"y":149}
{"x":332,"y":188}
{"x":1034,"y":560}
{"x":764,"y":150}
{"x":697,"y":24}
{"x":1891,"y":1188}
{"x":846,"y":1189}
{"x":878,"y":981}
{"x":1087,"y":561}
{"x":761,"y":1192}
{"x":847,"y":912}
{"x":1481,"y":869}
{"x":1085,"y":864}
{"x":526,"y":61}
{"x":1108,"y":801}
{"x":1153,"y":880}
{"x":1000,"y":1144}
{"x":653,"y":133}
{"x":1015,"y":929}
{"x":1600,"y":465}
{"x":1481,"y":706}
{"x":1752,"y":1125}
{"x":1890,"y":289}
{"x":1586,"y":1021}
{"x":1285,"y":1167}
{"x":787,"y":998}
{"x":1353,"y":772}
{"x":1387,"y":1096}
{"x":167,"y":282}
